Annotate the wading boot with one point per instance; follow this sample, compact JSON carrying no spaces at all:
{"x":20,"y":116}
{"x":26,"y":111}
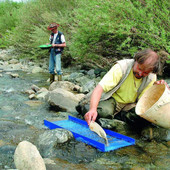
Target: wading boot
{"x":52,"y":78}
{"x":59,"y":77}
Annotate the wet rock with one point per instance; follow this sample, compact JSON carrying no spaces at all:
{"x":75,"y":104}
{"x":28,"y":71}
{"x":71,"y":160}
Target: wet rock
{"x":89,"y":86}
{"x":30,"y":92}
{"x":62,"y":100}
{"x":14,"y":75}
{"x":80,"y":96}
{"x":99,"y":71}
{"x":74,"y":76}
{"x":50,"y":138}
{"x":35,"y":88}
{"x":27,"y":157}
{"x":8,"y":73}
{"x":91,"y":74}
{"x":113,"y":124}
{"x":53,"y":137}
{"x":42,"y":96}
{"x":76,"y":88}
{"x":156,"y":133}
{"x":82,"y":80}
{"x":62,"y":84}
{"x":43,"y":89}
{"x":32,"y":96}
{"x":37,"y":69}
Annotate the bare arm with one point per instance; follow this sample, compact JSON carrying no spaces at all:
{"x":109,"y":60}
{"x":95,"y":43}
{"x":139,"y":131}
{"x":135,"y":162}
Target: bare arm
{"x":59,"y":45}
{"x":94,"y":101}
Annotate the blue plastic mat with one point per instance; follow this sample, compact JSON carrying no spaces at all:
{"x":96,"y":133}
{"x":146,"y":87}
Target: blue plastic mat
{"x":82,"y":133}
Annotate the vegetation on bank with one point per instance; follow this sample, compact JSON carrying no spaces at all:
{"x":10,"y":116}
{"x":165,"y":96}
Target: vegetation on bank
{"x":97,"y":31}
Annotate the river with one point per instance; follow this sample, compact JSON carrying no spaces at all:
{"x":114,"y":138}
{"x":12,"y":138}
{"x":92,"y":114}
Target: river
{"x":22,"y":119}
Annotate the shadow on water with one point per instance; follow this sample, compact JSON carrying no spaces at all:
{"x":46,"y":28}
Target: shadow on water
{"x":19,"y":120}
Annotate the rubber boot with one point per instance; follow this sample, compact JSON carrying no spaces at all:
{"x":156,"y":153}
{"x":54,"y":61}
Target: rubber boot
{"x":59,"y":77}
{"x":52,"y":78}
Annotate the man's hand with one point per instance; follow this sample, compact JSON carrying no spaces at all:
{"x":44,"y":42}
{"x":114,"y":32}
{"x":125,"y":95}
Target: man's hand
{"x":90,"y":116}
{"x":162,"y":82}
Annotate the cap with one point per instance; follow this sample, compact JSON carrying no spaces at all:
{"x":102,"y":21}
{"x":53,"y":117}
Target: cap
{"x":53,"y":26}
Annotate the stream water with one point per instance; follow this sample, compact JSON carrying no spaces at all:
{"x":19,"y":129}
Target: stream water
{"x":22,"y":119}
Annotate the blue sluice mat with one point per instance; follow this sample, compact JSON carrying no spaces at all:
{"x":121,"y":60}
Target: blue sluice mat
{"x":82,"y":133}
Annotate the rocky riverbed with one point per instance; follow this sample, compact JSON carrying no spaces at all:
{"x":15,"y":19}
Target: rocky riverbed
{"x":26,"y":100}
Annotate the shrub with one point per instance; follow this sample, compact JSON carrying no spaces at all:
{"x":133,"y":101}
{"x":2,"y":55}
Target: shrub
{"x":94,"y":30}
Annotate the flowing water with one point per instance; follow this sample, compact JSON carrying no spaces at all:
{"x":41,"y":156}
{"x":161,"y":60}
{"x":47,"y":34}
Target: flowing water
{"x":22,"y":119}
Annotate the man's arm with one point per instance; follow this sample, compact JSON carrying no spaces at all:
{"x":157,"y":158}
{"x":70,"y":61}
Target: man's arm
{"x":94,"y":101}
{"x":59,"y":45}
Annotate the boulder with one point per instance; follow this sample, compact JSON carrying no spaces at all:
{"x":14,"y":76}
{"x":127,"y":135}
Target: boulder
{"x":62,"y":100}
{"x":27,"y":157}
{"x":64,"y":85}
{"x":42,"y":95}
{"x":48,"y":141}
{"x":37,"y":69}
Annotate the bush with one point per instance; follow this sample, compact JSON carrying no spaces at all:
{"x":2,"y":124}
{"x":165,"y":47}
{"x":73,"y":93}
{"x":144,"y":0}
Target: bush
{"x":98,"y":30}
{"x":8,"y":20}
{"x":119,"y":28}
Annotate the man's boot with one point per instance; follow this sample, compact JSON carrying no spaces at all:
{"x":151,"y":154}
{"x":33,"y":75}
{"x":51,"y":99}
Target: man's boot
{"x":59,"y":77}
{"x":52,"y":78}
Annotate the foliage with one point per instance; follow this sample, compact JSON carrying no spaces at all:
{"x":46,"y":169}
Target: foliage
{"x":31,"y":30}
{"x":8,"y":20}
{"x":118,"y":28}
{"x":94,"y":30}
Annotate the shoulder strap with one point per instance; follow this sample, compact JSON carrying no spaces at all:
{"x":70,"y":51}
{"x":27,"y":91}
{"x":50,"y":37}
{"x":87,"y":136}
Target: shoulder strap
{"x":125,"y":71}
{"x":126,"y":66}
{"x":59,"y":34}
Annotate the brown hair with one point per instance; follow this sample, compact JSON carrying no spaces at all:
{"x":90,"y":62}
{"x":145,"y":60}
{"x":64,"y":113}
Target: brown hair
{"x":143,"y":55}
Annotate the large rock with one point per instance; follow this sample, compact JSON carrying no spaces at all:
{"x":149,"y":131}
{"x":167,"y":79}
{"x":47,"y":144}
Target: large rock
{"x":52,"y":137}
{"x":64,"y":85}
{"x":27,"y":157}
{"x":48,"y":141}
{"x":37,"y":69}
{"x":156,"y":133}
{"x":62,"y":100}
